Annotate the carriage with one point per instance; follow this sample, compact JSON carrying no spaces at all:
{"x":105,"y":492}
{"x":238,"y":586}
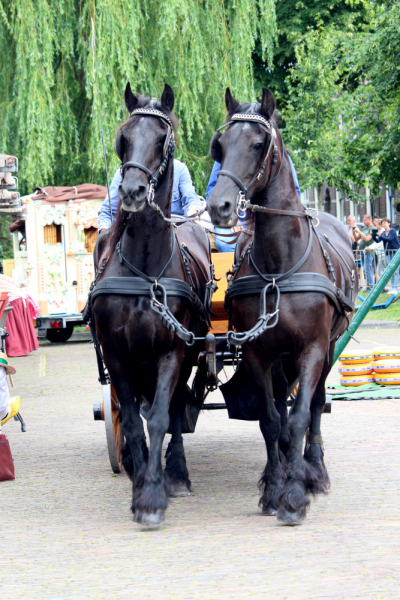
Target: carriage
{"x":108,"y":409}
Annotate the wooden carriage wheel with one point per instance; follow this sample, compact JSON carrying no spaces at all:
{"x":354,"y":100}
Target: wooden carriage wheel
{"x":114,"y":434}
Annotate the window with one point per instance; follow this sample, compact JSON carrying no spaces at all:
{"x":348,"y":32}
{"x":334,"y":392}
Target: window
{"x":52,"y":234}
{"x":305,"y":198}
{"x":91,"y":235}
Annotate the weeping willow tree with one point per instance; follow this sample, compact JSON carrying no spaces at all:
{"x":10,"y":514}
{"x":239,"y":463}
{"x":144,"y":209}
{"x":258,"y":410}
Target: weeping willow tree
{"x":49,"y":111}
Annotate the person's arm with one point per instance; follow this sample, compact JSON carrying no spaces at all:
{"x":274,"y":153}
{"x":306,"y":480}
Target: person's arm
{"x":366,"y":238}
{"x":189,"y":199}
{"x":213,"y":179}
{"x":296,"y":181}
{"x":104,"y":217}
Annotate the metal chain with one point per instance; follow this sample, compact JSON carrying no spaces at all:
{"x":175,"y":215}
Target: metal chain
{"x":263,"y":322}
{"x":166,"y":315}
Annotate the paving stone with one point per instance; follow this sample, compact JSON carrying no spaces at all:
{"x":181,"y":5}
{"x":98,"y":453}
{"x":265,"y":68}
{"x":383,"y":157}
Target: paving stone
{"x":67,"y":532}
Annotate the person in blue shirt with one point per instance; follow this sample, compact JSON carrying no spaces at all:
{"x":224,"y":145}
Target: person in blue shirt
{"x":222,"y":243}
{"x":391,"y":243}
{"x":185,"y":201}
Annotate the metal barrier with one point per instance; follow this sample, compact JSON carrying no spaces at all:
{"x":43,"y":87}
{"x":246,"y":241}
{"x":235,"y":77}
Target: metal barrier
{"x":371,"y":263}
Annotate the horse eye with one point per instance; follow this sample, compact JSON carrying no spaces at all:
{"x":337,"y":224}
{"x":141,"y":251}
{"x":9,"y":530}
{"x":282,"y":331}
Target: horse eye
{"x":258,"y":146}
{"x":161,"y":140}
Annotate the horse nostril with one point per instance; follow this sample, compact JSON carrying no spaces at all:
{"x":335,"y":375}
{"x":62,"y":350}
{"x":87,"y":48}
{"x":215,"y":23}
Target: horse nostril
{"x":139,"y":192}
{"x":225,"y":209}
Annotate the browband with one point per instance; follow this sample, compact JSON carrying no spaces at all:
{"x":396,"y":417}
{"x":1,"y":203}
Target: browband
{"x":247,"y":117}
{"x":152,"y":112}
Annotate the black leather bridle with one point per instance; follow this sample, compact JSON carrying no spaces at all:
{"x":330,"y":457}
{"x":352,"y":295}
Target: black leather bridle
{"x":169,"y":148}
{"x":243,"y":199}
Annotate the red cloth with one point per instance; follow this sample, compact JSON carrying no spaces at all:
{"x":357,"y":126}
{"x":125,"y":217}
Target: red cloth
{"x":19,"y":325}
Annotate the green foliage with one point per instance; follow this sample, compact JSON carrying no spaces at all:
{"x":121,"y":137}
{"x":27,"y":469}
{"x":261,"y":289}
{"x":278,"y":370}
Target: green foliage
{"x":343,"y":111}
{"x":49,"y":113}
{"x":6,"y":241}
{"x":295,"y":20}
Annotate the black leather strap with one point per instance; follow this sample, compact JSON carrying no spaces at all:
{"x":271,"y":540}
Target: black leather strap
{"x":135,"y":286}
{"x":298,"y":282}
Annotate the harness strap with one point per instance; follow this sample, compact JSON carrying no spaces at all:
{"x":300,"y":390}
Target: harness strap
{"x":297,"y":282}
{"x":281,"y":277}
{"x":136,"y":271}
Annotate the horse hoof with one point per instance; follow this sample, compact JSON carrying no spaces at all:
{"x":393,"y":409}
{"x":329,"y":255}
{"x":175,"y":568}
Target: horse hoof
{"x":269,"y":511}
{"x":291,"y":517}
{"x":151,"y":519}
{"x":179,"y":489}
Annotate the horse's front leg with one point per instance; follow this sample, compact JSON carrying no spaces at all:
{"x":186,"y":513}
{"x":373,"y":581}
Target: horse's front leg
{"x":299,"y":473}
{"x":150,"y":488}
{"x":314,"y":452}
{"x":272,"y":479}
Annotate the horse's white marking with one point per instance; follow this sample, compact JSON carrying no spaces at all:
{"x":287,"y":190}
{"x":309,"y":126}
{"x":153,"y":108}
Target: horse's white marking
{"x":246,"y":126}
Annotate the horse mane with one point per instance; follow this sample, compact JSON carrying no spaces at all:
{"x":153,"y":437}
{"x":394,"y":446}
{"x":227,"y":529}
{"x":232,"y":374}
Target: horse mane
{"x":143,"y":102}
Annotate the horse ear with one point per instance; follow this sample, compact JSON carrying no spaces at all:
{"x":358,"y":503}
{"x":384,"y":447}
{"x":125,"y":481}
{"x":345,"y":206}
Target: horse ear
{"x":168,"y":98}
{"x":118,"y":146}
{"x":130,"y":98}
{"x":268,"y":104}
{"x":231,"y":104}
{"x":215,"y":150}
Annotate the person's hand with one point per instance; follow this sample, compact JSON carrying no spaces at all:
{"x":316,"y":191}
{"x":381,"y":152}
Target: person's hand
{"x":357,"y":231}
{"x":192,"y":211}
{"x":237,"y":228}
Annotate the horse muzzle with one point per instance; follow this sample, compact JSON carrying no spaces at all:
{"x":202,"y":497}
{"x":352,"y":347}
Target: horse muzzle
{"x":134,"y":200}
{"x":222,"y":213}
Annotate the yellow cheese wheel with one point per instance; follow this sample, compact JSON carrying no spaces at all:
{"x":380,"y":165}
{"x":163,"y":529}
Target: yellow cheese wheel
{"x":358,"y":369}
{"x":388,"y":378}
{"x":355,"y":380}
{"x":355,"y":357}
{"x":386,"y":353}
{"x":387,"y":366}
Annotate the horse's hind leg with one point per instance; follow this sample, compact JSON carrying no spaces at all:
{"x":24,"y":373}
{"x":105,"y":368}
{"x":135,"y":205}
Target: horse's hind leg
{"x":294,"y":501}
{"x":318,"y":481}
{"x":176,"y":468}
{"x":150,"y":488}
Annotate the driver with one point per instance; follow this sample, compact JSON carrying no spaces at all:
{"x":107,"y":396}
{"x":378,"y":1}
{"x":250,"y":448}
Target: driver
{"x":185,"y":201}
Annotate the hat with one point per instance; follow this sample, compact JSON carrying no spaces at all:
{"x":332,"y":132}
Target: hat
{"x":4,"y":363}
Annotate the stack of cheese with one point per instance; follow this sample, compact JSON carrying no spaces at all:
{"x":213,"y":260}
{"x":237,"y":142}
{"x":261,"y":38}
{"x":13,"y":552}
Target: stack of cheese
{"x":356,"y":367}
{"x":382,"y":365}
{"x":387,"y":365}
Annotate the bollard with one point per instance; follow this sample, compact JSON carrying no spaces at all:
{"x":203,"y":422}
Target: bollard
{"x":367,"y":305}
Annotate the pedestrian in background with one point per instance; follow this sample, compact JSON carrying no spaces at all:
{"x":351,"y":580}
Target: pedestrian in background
{"x":391,"y":243}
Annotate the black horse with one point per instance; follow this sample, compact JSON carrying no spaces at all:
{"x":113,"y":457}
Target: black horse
{"x":149,"y":300}
{"x":303,"y":269}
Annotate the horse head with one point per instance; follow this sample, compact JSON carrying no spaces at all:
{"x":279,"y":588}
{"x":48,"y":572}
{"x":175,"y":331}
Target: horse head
{"x":244,"y":151}
{"x":144,"y":143}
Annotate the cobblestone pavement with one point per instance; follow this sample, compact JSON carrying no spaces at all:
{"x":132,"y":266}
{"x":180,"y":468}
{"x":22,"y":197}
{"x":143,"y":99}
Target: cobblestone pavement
{"x":67,"y":532}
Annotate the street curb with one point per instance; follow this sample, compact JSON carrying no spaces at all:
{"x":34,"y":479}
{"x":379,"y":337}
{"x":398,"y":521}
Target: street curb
{"x":369,"y":324}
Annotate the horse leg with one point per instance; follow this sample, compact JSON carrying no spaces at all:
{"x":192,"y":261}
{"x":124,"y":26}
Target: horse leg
{"x":280,"y":389}
{"x":300,"y":474}
{"x":134,"y":451}
{"x":150,"y":488}
{"x":272,"y":479}
{"x":314,"y":450}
